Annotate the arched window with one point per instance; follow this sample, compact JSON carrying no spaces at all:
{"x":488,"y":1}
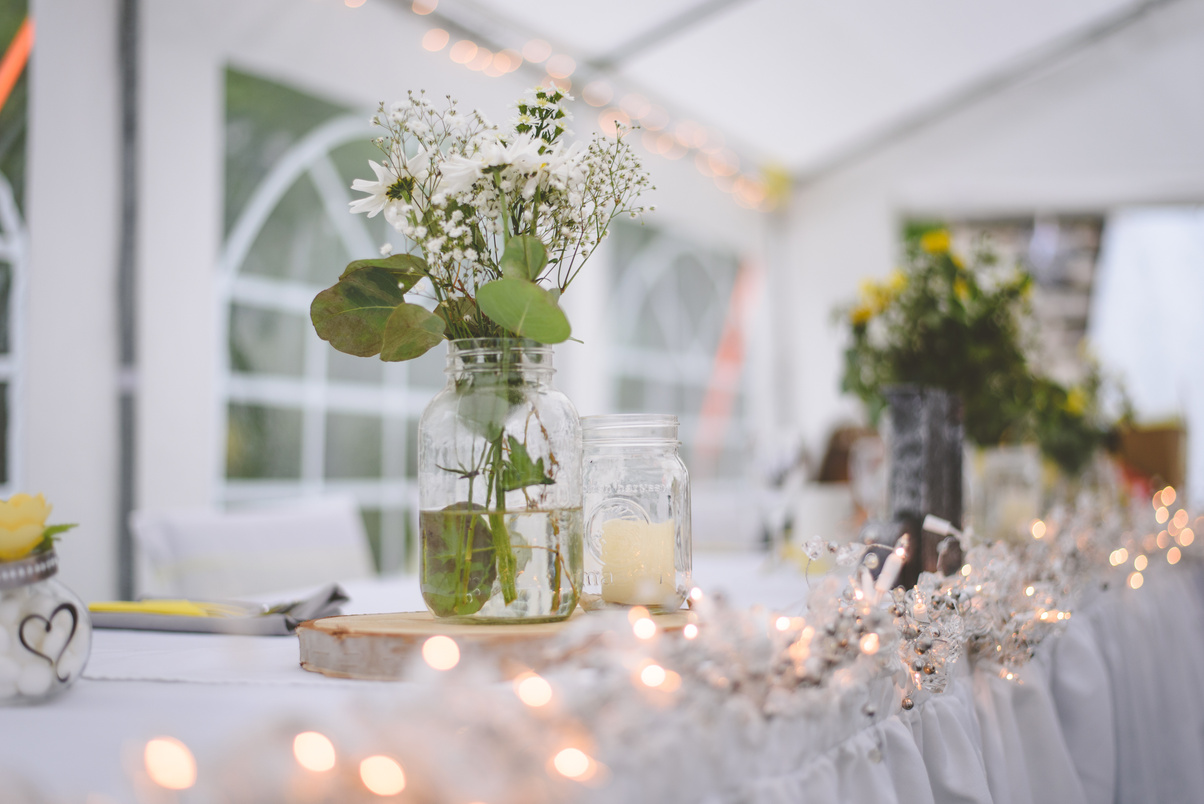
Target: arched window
{"x":301,"y":418}
{"x":669,"y":307}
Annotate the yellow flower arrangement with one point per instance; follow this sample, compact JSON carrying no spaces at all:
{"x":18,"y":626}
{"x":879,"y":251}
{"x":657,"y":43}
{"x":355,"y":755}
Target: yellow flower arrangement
{"x":23,"y":525}
{"x":936,"y":241}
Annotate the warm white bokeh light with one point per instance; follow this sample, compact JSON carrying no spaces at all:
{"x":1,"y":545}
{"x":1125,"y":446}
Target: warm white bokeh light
{"x":653,"y":675}
{"x":1161,"y":515}
{"x":690,"y":631}
{"x":1187,"y":536}
{"x":597,"y":93}
{"x":1136,"y":580}
{"x":561,"y":66}
{"x":441,"y":652}
{"x":536,"y":51}
{"x":424,"y":7}
{"x":644,"y":628}
{"x":382,"y":775}
{"x":782,"y":623}
{"x":1038,"y":529}
{"x":533,"y":689}
{"x":1173,"y":555}
{"x":313,"y":751}
{"x":435,"y":39}
{"x":572,"y":762}
{"x":869,"y":644}
{"x":1140,"y":563}
{"x":463,"y":51}
{"x":169,"y":763}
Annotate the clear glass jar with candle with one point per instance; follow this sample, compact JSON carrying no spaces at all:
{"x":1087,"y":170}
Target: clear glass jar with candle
{"x":636,"y":493}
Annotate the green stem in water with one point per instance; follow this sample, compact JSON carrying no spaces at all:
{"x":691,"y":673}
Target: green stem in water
{"x":466,"y":545}
{"x":502,"y":549}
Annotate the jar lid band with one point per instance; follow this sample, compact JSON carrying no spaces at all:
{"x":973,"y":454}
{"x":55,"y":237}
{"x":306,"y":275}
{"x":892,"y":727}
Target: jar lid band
{"x":39,"y":567}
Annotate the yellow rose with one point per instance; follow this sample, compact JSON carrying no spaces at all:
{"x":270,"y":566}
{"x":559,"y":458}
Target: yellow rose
{"x":22,"y":522}
{"x":935,"y":242}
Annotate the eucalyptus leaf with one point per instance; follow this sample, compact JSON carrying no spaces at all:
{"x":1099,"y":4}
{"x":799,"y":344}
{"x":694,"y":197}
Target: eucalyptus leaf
{"x":524,"y":258}
{"x":410,"y":332}
{"x":406,"y":268}
{"x":525,"y":309}
{"x":485,"y":410}
{"x":352,"y":313}
{"x":520,"y":471}
{"x":458,"y":568}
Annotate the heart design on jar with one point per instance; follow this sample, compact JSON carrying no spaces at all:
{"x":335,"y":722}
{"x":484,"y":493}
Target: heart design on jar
{"x":48,"y":624}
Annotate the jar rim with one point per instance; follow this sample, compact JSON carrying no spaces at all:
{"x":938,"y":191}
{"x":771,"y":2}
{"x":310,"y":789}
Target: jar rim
{"x":604,"y":421}
{"x":630,"y":428}
{"x":31,"y":569}
{"x":472,"y":346}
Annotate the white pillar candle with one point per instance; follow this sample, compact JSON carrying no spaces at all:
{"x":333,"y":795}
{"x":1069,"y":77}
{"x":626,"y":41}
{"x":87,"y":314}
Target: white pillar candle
{"x":637,"y":562}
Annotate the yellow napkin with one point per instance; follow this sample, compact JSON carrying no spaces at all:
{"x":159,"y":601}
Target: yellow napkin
{"x":176,"y":608}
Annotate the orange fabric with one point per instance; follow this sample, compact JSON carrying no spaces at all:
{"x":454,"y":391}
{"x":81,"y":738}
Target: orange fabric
{"x":15,"y":59}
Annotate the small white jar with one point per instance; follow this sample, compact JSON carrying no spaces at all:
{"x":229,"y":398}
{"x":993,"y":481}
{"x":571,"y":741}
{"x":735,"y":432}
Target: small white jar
{"x":45,"y":631}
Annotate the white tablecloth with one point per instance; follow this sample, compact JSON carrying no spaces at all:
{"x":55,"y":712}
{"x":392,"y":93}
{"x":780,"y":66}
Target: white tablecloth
{"x":1110,"y":711}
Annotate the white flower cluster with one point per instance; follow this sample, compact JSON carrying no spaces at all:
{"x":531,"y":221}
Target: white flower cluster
{"x":459,"y":187}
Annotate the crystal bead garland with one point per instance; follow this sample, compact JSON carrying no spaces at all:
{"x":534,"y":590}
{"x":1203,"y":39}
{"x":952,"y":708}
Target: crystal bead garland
{"x":45,"y":631}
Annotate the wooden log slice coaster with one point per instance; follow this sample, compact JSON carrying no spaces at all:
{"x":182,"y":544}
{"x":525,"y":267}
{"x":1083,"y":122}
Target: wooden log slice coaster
{"x":379,"y":647}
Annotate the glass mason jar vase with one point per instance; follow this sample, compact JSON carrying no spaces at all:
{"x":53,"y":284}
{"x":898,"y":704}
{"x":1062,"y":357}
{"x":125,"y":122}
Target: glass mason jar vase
{"x":637,"y":503}
{"x":499,"y":487}
{"x":45,"y":631}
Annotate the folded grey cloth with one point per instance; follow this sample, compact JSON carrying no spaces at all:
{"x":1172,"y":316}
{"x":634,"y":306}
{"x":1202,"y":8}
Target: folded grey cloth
{"x":251,"y":619}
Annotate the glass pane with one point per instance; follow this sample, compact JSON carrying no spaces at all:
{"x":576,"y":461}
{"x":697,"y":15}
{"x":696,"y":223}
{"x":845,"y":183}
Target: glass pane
{"x":267,"y":341}
{"x":349,"y":368}
{"x":14,"y":111}
{"x":298,"y":240}
{"x":353,"y":445}
{"x":372,"y":525}
{"x":263,"y":442}
{"x":6,"y":278}
{"x":4,"y":475}
{"x":412,"y":452}
{"x":263,"y":120}
{"x":631,"y":394}
{"x":426,"y":372}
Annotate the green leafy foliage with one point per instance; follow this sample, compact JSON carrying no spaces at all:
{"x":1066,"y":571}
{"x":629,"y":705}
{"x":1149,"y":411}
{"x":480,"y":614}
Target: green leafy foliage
{"x":352,"y":313}
{"x":957,"y":324}
{"x":458,"y":560}
{"x":51,"y":534}
{"x":942,"y":322}
{"x":410,"y":332}
{"x":525,"y":309}
{"x":407,"y":269}
{"x":524,"y":258}
{"x":520,"y":471}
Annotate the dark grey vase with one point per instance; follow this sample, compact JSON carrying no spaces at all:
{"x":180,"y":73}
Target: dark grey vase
{"x":925,"y":473}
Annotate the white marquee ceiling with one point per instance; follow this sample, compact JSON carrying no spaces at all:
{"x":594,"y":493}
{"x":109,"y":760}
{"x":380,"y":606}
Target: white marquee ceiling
{"x":799,"y":84}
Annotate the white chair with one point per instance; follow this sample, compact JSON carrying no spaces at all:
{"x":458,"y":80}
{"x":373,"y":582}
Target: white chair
{"x":283,"y":546}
